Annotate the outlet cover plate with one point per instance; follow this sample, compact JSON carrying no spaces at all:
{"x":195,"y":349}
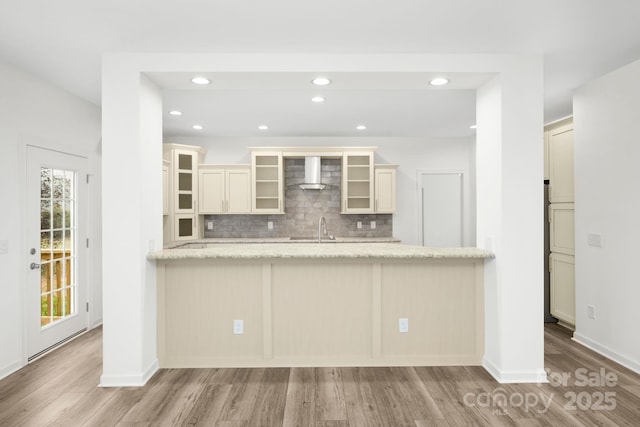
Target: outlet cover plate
{"x":4,"y":247}
{"x":238,"y":327}
{"x":403,"y":325}
{"x":594,"y":239}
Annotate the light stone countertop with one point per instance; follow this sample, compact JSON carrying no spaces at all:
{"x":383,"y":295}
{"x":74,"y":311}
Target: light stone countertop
{"x":253,"y":251}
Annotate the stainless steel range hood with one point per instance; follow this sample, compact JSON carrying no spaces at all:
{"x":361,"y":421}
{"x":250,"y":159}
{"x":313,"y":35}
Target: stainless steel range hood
{"x":312,"y":174}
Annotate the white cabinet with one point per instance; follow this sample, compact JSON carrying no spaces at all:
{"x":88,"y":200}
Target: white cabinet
{"x":185,"y":227}
{"x":185,"y":167}
{"x":561,"y":228}
{"x":385,"y":188}
{"x":182,"y":222}
{"x":224,"y":189}
{"x":357,"y":182}
{"x":560,"y":153}
{"x":559,"y":162}
{"x":268,"y":182}
{"x":562,"y":289}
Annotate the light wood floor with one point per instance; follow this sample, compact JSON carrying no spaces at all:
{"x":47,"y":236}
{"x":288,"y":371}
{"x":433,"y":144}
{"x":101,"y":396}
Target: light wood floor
{"x":60,"y":389}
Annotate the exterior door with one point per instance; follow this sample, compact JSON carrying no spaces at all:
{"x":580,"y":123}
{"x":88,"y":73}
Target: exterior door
{"x":56,"y":205}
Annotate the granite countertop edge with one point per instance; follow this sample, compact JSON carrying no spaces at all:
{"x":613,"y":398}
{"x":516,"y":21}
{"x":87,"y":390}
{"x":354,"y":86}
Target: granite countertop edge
{"x":361,"y":250}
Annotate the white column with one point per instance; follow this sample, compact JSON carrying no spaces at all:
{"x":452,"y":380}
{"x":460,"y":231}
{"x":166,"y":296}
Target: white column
{"x":131,"y":202}
{"x":510,"y":220}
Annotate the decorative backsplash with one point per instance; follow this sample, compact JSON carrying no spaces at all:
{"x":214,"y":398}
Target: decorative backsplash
{"x":303,"y":211}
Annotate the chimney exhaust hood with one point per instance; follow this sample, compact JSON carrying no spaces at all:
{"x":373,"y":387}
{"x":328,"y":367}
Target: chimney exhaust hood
{"x":312,"y":173}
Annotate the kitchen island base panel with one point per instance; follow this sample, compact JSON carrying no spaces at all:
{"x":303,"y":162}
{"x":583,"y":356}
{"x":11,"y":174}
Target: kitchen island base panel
{"x":320,"y":312}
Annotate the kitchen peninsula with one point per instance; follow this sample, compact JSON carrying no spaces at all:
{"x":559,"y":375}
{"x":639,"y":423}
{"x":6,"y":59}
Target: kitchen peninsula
{"x":319,"y":304}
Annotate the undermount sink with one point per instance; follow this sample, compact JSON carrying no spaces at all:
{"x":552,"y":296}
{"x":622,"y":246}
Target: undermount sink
{"x":313,"y":239}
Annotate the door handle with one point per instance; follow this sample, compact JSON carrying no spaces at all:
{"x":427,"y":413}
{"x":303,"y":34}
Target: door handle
{"x":34,"y":266}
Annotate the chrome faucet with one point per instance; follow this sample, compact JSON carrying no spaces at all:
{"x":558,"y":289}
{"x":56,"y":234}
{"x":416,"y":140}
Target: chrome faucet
{"x":322,"y":228}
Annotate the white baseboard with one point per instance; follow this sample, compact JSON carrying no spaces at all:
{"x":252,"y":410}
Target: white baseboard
{"x":10,"y":369}
{"x":129,"y":380}
{"x":507,"y":377}
{"x":607,"y":352}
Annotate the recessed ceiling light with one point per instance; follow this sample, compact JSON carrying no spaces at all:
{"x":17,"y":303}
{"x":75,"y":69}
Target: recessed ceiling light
{"x":200,"y":80}
{"x":473,"y":126}
{"x":198,"y":127}
{"x":321,"y":81}
{"x":175,"y":113}
{"x":263,"y":127}
{"x":439,"y":81}
{"x":317,"y":99}
{"x":361,"y":127}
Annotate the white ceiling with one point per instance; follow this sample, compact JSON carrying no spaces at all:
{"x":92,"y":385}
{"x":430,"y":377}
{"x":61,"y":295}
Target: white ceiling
{"x":388,"y":104}
{"x":63,"y":41}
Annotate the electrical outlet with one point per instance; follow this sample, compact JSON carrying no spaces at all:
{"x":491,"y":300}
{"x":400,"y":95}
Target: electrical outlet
{"x":269,"y":225}
{"x":373,"y":225}
{"x":209,"y":225}
{"x":152,"y":245}
{"x":591,"y":311}
{"x":594,"y":239}
{"x":238,"y":327}
{"x":403,"y":325}
{"x":359,"y":225}
{"x":4,"y":247}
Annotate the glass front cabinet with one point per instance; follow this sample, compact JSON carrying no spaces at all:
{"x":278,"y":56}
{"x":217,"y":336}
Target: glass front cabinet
{"x":268,"y":182}
{"x":357,"y":182}
{"x":182,"y":222}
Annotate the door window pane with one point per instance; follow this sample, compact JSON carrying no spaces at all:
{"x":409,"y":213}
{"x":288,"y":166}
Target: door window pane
{"x":57,"y":244}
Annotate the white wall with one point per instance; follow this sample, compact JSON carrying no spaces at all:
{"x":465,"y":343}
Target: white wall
{"x":607,"y":155}
{"x":36,"y":113}
{"x":411,"y":154}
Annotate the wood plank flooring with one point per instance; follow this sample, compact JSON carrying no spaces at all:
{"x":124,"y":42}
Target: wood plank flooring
{"x":60,"y":389}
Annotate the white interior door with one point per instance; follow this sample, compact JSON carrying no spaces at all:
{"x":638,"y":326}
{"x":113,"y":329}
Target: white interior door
{"x":56,"y":204}
{"x":441,"y":195}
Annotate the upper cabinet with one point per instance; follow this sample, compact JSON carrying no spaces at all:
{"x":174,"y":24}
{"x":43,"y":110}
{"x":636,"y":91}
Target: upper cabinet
{"x":186,"y":179}
{"x":385,"y":188}
{"x":268,"y":182}
{"x":224,"y":189}
{"x":357,"y":182}
{"x":182,"y":167}
{"x":560,"y":153}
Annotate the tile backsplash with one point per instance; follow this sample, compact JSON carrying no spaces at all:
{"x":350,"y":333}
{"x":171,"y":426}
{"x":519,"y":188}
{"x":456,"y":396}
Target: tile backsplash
{"x":303,"y":210}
